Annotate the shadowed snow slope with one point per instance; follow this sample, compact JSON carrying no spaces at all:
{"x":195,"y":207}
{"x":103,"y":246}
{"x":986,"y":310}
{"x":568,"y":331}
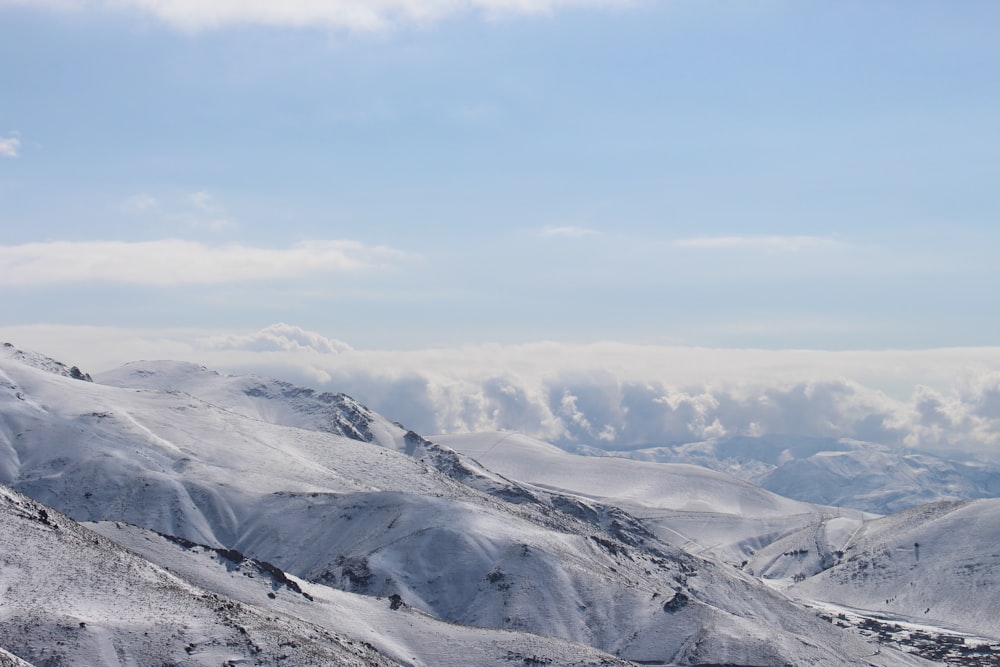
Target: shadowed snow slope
{"x":8,"y":659}
{"x":409,"y":519}
{"x":73,"y":597}
{"x":394,"y":628}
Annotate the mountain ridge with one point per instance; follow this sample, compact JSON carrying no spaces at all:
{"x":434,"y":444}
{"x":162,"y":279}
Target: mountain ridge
{"x":518,"y":557}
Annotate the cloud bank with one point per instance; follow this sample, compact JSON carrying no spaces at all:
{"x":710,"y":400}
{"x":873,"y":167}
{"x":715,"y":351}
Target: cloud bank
{"x":176,"y":262}
{"x":369,"y":15}
{"x":607,"y":395}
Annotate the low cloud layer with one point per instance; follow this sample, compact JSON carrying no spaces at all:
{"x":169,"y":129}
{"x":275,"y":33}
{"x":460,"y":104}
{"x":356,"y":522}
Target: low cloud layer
{"x":340,"y":14}
{"x":608,"y":395}
{"x":176,"y":262}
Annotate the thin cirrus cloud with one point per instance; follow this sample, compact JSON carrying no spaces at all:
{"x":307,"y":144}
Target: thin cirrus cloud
{"x":568,"y":232}
{"x":177,"y":262}
{"x":770,"y":243}
{"x":195,"y":210}
{"x":343,"y":14}
{"x":141,"y":203}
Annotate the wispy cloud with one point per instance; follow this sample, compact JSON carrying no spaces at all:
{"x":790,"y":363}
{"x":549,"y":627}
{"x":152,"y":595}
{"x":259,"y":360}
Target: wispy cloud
{"x":770,"y":243}
{"x":176,"y":262}
{"x":369,"y":15}
{"x":568,"y":232}
{"x":208,"y":212}
{"x":194,"y":210}
{"x":141,"y":203}
{"x":9,"y":146}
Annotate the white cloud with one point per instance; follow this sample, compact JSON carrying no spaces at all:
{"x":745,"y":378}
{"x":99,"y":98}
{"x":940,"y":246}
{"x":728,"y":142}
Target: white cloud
{"x":9,"y":146}
{"x":601,"y":394}
{"x":569,"y":232}
{"x":771,"y":243}
{"x":279,"y":337}
{"x":176,"y":262}
{"x":358,"y":15}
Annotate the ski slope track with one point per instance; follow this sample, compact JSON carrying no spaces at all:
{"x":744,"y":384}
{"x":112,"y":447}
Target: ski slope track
{"x":340,"y":497}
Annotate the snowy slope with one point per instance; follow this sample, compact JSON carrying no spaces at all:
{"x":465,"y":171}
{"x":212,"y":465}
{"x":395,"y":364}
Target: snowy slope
{"x":804,"y":552}
{"x":73,"y":597}
{"x":937,"y":564}
{"x":655,"y":485}
{"x":694,"y":508}
{"x":836,"y":471}
{"x":882,"y":480}
{"x":42,"y":362}
{"x":449,"y":537}
{"x":8,"y":659}
{"x":270,"y":401}
{"x":396,"y":630}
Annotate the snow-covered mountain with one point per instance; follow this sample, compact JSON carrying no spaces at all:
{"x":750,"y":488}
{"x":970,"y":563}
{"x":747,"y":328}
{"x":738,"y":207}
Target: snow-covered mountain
{"x":71,"y":596}
{"x":937,"y":564}
{"x":330,"y":492}
{"x":394,"y":628}
{"x":270,"y":401}
{"x":690,"y":507}
{"x":835,"y":471}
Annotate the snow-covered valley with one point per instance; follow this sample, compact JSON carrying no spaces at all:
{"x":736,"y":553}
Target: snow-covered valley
{"x":214,"y":519}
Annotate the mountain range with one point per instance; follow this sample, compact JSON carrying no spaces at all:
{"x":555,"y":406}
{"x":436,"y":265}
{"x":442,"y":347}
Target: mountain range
{"x":867,"y":476}
{"x":165,"y":513}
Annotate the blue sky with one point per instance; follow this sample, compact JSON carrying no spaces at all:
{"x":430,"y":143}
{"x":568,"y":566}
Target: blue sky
{"x":596,"y":221}
{"x":741,"y":174}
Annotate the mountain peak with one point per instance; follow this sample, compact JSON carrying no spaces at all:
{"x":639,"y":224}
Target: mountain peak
{"x":44,"y":363}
